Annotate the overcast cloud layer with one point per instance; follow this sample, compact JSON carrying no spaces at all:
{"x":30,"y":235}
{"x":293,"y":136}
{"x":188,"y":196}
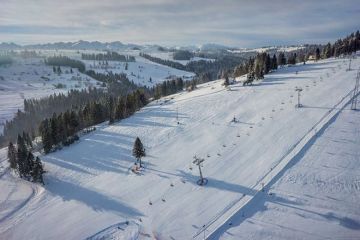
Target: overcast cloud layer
{"x":178,"y":22}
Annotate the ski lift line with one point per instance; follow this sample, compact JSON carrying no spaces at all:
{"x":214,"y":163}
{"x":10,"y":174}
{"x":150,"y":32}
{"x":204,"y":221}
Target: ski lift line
{"x":297,"y":147}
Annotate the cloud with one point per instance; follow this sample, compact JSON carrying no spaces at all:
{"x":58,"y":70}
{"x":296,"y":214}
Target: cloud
{"x":232,"y":22}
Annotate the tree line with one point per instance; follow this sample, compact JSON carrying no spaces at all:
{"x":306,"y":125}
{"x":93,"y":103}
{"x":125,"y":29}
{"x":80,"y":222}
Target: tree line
{"x":263,"y":63}
{"x":168,"y":87}
{"x":182,"y":55}
{"x":108,"y":56}
{"x":65,"y":61}
{"x":205,"y":70}
{"x":61,"y":129}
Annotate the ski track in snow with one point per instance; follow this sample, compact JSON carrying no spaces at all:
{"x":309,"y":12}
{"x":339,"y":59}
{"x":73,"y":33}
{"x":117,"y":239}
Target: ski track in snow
{"x":88,"y":183}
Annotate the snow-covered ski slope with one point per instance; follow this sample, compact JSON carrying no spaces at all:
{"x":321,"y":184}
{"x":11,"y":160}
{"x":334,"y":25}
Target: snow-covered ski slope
{"x":317,"y":197}
{"x":90,"y":187}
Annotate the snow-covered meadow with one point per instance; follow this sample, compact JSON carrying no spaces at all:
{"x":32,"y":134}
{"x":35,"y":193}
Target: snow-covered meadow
{"x":90,"y":190}
{"x":142,"y":72}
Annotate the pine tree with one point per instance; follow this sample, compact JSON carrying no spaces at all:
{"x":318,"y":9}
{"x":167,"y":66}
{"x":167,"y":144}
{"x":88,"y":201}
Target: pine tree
{"x":46,"y":135}
{"x":111,"y":110}
{"x":73,"y":123}
{"x":226,"y":81}
{"x":62,"y":131}
{"x":37,"y":171}
{"x":281,"y":59}
{"x":138,"y":150}
{"x":119,"y":110}
{"x":28,"y":165}
{"x":274,"y":62}
{"x":27,"y":139}
{"x":12,"y":156}
{"x":317,"y":54}
{"x":22,"y":154}
{"x":179,"y":84}
{"x":267,"y":66}
{"x":54,"y":129}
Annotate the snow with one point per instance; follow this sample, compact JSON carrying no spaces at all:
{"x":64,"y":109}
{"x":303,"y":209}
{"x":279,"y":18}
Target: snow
{"x":119,"y":231}
{"x":141,"y":71}
{"x":266,"y":49}
{"x":169,"y":56}
{"x":316,"y":197}
{"x":90,"y":186}
{"x":31,"y":78}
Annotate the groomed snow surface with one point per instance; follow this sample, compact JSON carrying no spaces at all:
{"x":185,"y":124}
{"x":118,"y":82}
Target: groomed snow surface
{"x":91,"y":192}
{"x":315,"y":197}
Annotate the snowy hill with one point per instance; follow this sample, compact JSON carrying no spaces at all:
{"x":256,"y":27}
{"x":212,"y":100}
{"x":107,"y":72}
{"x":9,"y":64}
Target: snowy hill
{"x":31,"y":78}
{"x":141,"y":70}
{"x":268,"y":49}
{"x":90,"y":190}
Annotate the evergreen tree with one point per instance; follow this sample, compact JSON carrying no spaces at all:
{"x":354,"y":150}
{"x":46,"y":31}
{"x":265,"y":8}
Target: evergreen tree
{"x":119,"y":110}
{"x":62,"y":131}
{"x":226,"y":81}
{"x":27,"y":139}
{"x":281,"y":59}
{"x":73,"y":123}
{"x":46,"y":136}
{"x":28,"y":165}
{"x":317,"y":54}
{"x":267,"y":66}
{"x":37,"y":171}
{"x":138,"y":150}
{"x":111,"y":110}
{"x":12,"y":156}
{"x":54,"y":130}
{"x":179,"y":84}
{"x":274,"y":64}
{"x":22,"y":155}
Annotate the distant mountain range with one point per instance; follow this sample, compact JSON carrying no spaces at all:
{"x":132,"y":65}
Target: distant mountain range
{"x":80,"y":45}
{"x":117,"y":45}
{"x":96,"y":45}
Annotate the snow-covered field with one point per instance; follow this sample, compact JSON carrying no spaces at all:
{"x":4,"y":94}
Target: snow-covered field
{"x":31,"y":78}
{"x":169,"y":56}
{"x":90,"y":190}
{"x":265,"y":49}
{"x":141,"y":71}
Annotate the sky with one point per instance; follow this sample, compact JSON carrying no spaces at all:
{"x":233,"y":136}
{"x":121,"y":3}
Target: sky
{"x":237,"y":23}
